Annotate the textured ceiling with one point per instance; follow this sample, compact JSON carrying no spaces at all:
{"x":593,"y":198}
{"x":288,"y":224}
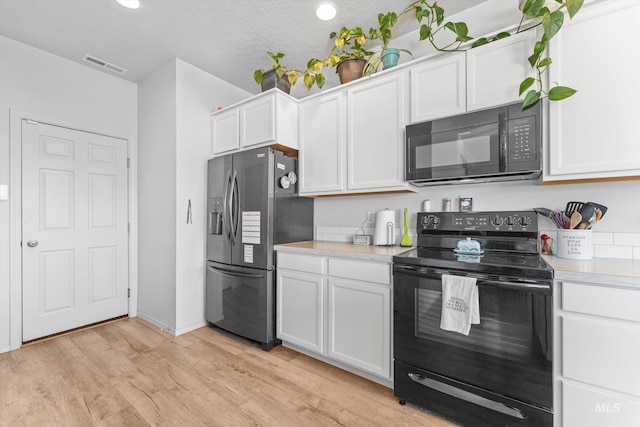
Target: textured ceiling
{"x":226,"y":38}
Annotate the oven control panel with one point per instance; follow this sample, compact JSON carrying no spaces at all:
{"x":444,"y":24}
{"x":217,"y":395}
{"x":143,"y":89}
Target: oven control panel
{"x":511,"y":221}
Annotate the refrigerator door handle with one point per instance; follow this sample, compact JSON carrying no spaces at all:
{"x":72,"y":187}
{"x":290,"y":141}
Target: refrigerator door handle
{"x":226,"y":215}
{"x":231,"y":273}
{"x":235,"y":196}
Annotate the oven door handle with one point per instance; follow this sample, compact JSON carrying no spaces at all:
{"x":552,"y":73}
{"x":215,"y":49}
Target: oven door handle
{"x":436,"y":273}
{"x":468,"y":396}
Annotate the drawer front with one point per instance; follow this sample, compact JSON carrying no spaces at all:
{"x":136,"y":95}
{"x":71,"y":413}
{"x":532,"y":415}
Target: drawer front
{"x":602,"y":354}
{"x":376,"y":272}
{"x":307,"y":263}
{"x":620,"y":303}
{"x":586,"y":407}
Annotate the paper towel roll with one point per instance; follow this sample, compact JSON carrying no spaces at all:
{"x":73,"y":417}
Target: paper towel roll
{"x":385,"y":231}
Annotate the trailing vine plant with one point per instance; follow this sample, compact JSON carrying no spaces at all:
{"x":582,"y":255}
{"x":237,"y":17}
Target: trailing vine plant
{"x":431,"y":18}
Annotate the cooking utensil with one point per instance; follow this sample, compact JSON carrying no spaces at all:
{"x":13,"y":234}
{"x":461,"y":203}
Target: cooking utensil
{"x":571,"y":208}
{"x":587,"y":216}
{"x":601,"y":208}
{"x":576,"y":219}
{"x":406,"y":241}
{"x":557,"y":217}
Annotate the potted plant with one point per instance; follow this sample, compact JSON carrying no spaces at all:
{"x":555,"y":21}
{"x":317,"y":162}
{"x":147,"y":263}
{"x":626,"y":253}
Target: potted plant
{"x":348,"y":55}
{"x":283,"y":78}
{"x":388,"y":56}
{"x":278,"y":76}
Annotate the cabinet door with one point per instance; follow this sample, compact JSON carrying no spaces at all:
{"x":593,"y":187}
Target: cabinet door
{"x":322,"y":145}
{"x":299,"y":308}
{"x":257,"y":121}
{"x":594,"y":133}
{"x":376,"y":133}
{"x":359,"y":325}
{"x":438,"y":88}
{"x":588,"y":407}
{"x":225,"y":131}
{"x":601,"y":353}
{"x":495,"y":70}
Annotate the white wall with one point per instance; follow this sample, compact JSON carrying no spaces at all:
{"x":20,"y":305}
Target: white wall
{"x":39,"y":83}
{"x":619,"y":197}
{"x":198,"y":94}
{"x":174,"y":145}
{"x":156,"y":196}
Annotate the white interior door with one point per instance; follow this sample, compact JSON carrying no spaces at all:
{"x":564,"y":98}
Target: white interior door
{"x":74,"y":229}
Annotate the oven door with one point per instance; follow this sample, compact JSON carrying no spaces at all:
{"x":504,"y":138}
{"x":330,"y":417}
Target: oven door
{"x":446,"y":149}
{"x":509,"y":353}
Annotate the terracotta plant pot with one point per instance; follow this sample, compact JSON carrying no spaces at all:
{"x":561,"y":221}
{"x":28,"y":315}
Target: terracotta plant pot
{"x":350,"y":69}
{"x":270,"y":80}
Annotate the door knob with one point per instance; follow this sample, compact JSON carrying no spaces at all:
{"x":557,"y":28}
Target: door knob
{"x":32,"y":243}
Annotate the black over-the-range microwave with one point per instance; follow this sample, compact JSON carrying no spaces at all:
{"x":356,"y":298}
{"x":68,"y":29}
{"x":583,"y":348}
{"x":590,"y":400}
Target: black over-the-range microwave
{"x":499,"y":144}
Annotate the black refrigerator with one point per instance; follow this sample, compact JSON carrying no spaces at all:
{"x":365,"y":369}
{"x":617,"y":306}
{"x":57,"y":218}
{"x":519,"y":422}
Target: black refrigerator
{"x":253,"y":204}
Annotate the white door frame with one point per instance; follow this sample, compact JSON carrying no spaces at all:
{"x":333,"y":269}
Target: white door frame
{"x":15,"y":214}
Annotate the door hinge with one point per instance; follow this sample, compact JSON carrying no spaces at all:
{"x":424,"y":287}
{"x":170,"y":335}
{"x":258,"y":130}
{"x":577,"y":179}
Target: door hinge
{"x":31,"y":122}
{"x":128,"y":163}
{"x":128,"y":292}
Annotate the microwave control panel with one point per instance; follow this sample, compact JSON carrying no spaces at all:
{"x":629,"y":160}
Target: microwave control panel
{"x":522,"y":139}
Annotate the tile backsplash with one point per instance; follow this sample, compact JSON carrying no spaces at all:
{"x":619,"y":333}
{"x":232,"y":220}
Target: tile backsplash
{"x":605,"y":245}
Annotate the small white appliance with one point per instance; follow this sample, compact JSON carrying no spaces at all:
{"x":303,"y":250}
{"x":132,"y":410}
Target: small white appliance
{"x":385,"y":231}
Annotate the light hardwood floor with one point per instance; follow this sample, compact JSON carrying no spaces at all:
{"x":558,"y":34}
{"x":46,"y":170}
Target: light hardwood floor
{"x":130,"y":373}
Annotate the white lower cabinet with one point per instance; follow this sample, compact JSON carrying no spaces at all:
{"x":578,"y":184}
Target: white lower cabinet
{"x":337,"y":308}
{"x":598,"y":344}
{"x":359,"y":325}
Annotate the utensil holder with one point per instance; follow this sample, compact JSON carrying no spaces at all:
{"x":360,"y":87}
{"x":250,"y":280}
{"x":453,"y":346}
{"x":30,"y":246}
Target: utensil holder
{"x":574,"y":244}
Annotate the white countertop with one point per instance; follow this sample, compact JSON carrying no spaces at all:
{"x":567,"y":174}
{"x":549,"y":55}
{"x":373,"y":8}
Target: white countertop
{"x":325,"y":248}
{"x":607,"y":271}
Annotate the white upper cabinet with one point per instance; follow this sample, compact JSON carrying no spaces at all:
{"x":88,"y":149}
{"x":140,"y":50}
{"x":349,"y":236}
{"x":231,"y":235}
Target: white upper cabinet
{"x":225,"y":131}
{"x":270,"y":118}
{"x":439,"y":88}
{"x":323,"y":131}
{"x":375,"y":136}
{"x":495,"y":70}
{"x":594,"y":134}
{"x":257,"y":121}
{"x":352,"y":140}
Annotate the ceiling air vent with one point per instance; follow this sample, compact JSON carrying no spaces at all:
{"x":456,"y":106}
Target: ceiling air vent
{"x":104,"y":64}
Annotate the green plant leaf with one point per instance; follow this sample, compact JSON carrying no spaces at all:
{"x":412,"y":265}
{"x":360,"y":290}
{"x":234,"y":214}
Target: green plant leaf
{"x":573,"y":6}
{"x":320,"y":80}
{"x":439,"y":14}
{"x":257,"y":76}
{"x":544,"y":62}
{"x":526,"y":84}
{"x":315,"y":64}
{"x":280,"y":71}
{"x":538,"y":48}
{"x":425,"y":32}
{"x":293,"y":77}
{"x":531,"y":98}
{"x":533,"y":7}
{"x":479,"y":42}
{"x":501,"y":35}
{"x":308,"y":80}
{"x":559,"y":93}
{"x":422,"y":13}
{"x":552,"y":22}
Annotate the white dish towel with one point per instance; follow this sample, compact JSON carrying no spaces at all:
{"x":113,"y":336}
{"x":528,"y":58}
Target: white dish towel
{"x":460,"y":306}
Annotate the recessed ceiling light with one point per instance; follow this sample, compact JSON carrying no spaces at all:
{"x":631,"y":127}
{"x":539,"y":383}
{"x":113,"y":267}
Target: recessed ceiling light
{"x":326,"y":11}
{"x":131,"y":4}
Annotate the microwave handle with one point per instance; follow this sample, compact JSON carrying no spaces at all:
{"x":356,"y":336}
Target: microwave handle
{"x":502,"y":141}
